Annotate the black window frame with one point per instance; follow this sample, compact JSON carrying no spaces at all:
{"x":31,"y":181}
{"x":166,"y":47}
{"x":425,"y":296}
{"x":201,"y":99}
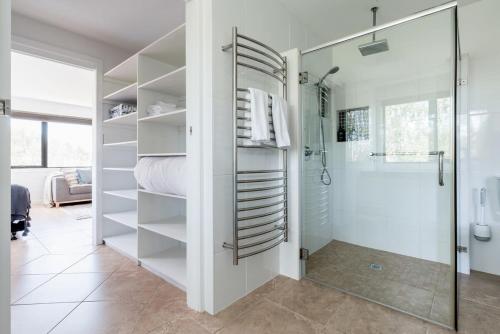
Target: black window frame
{"x":44,"y":151}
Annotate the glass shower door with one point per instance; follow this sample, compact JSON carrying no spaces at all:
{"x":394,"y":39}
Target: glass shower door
{"x":384,"y":229}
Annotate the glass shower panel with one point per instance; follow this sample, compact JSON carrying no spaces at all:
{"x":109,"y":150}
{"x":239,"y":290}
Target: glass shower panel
{"x":384,"y":228}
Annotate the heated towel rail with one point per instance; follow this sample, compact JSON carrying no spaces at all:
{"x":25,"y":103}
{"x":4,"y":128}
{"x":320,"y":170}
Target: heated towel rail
{"x":260,"y":217}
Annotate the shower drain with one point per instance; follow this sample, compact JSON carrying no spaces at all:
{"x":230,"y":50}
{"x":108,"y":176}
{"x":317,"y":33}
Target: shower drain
{"x":375,"y":266}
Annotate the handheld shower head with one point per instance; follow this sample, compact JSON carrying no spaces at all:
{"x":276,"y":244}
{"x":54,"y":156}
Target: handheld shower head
{"x":333,"y":70}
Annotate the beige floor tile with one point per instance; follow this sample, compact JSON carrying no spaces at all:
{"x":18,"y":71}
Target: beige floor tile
{"x":480,"y":288}
{"x":21,"y":285}
{"x":65,"y":288}
{"x":478,"y":319}
{"x":185,"y":326}
{"x":131,"y":287}
{"x":167,"y":305}
{"x":442,"y":309}
{"x":356,"y":316}
{"x":269,"y":318}
{"x":39,"y":318}
{"x":101,"y":318}
{"x":313,"y":301}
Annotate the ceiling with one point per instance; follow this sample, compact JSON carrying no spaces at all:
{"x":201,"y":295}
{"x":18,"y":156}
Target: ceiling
{"x":126,"y":24}
{"x":332,"y":19}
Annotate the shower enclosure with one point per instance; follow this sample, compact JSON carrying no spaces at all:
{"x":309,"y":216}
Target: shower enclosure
{"x":383,"y":128}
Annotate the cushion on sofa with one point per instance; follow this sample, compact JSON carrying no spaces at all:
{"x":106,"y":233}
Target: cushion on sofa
{"x":71,"y":176}
{"x":84,"y":175}
{"x":80,"y":189}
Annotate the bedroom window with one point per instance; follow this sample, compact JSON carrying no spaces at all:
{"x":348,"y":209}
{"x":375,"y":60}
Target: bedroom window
{"x":47,"y":144}
{"x":69,"y":145}
{"x":26,"y":138}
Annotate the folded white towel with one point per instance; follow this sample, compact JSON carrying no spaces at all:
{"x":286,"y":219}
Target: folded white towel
{"x":280,"y":121}
{"x":258,"y":112}
{"x":160,"y":107}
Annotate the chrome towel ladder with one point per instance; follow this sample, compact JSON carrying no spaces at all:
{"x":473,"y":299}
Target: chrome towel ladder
{"x":260,"y":217}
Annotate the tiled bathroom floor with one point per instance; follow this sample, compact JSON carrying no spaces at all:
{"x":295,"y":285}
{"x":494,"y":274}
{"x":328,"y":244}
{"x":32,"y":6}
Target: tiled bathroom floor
{"x":416,"y":286}
{"x":94,"y":290}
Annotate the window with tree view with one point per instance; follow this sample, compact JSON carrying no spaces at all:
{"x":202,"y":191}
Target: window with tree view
{"x":413,"y":129}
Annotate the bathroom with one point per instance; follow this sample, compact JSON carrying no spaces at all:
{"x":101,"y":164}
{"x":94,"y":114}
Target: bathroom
{"x":381,"y":215}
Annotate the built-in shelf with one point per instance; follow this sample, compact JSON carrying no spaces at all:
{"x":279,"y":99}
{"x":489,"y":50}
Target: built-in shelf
{"x":125,"y":71}
{"x":172,"y":83}
{"x":128,"y":119}
{"x":169,"y":264}
{"x":127,"y":193}
{"x":127,"y":218}
{"x":124,"y":243}
{"x":174,"y":227}
{"x":161,"y":194}
{"x":170,"y":49}
{"x":180,"y":154}
{"x":155,"y":73}
{"x":126,"y":94}
{"x":129,"y":143}
{"x":176,"y":118}
{"x":119,"y":169}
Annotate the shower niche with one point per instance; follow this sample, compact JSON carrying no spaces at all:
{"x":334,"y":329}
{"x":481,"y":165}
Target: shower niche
{"x":353,"y":124}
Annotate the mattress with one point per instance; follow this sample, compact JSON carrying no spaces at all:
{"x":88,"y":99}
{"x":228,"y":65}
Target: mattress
{"x":162,"y":174}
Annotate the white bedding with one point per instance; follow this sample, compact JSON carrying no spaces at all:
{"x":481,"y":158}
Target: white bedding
{"x":165,"y":175}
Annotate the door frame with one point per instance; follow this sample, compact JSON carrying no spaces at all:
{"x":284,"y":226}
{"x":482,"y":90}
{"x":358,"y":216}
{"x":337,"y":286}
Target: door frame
{"x":50,"y":52}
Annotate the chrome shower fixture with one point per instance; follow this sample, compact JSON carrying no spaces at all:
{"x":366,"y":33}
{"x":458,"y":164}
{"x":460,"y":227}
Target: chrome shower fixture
{"x":374,"y":46}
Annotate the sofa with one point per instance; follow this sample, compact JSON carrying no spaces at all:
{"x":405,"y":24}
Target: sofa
{"x":63,"y":192}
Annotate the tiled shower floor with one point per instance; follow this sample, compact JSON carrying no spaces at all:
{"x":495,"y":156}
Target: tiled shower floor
{"x":413,"y":285}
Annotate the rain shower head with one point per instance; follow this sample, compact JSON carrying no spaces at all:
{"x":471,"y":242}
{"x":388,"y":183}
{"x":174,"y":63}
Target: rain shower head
{"x":374,"y":46}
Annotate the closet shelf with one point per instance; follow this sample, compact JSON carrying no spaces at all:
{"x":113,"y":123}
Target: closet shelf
{"x":119,"y":169}
{"x":125,"y":71}
{"x":128,"y":193}
{"x":181,"y":154}
{"x":126,"y":94}
{"x":172,"y":83}
{"x":174,"y":227}
{"x":169,"y":49}
{"x":123,"y":243}
{"x":128,"y":119}
{"x":129,"y":143}
{"x":144,"y":191}
{"x":127,"y":218}
{"x":169,"y":264}
{"x":177,"y":118}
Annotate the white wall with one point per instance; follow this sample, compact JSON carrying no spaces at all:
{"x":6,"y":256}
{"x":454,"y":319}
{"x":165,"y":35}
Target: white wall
{"x":33,"y":179}
{"x":28,"y":28}
{"x":270,"y":23}
{"x":479,"y":36}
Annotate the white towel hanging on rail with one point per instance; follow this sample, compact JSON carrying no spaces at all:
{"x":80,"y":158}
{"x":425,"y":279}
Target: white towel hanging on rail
{"x":259,"y":108}
{"x":280,"y":121}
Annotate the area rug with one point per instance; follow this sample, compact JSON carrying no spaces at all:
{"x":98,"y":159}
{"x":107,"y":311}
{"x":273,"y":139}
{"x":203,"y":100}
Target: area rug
{"x":78,"y":211}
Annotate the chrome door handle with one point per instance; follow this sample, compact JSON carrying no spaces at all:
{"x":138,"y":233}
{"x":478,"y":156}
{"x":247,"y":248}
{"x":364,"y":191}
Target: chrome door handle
{"x":5,"y":107}
{"x":441,"y":168}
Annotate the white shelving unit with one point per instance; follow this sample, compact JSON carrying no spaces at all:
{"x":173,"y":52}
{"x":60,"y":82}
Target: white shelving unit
{"x":145,"y":225}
